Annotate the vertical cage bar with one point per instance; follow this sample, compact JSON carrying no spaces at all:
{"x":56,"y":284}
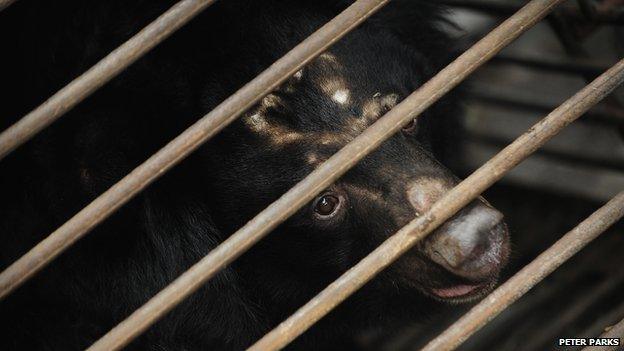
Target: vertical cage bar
{"x":443,"y":209}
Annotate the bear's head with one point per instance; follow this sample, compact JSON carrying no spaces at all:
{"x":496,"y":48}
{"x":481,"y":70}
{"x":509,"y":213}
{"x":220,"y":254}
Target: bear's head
{"x":310,"y":117}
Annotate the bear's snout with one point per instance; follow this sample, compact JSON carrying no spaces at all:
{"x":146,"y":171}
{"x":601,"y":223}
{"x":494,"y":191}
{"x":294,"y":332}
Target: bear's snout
{"x":472,"y":244}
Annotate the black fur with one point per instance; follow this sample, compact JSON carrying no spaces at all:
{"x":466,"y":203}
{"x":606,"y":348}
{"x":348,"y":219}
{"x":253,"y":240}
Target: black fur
{"x":180,"y":218}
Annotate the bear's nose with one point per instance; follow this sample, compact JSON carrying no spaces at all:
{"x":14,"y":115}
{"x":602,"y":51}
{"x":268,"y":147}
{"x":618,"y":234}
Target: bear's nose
{"x":470,"y":244}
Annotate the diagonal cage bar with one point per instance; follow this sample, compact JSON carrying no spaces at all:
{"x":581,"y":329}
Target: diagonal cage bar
{"x":616,"y":331}
{"x":176,"y":150}
{"x":98,"y":75}
{"x":443,"y":209}
{"x":324,"y":175}
{"x":529,"y":276}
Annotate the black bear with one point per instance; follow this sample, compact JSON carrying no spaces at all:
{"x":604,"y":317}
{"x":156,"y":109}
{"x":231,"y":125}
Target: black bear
{"x":190,"y":210}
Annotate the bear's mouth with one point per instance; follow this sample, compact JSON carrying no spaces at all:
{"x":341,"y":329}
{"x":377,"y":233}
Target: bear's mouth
{"x":476,"y":272}
{"x":463,"y":292}
{"x":455,"y":291}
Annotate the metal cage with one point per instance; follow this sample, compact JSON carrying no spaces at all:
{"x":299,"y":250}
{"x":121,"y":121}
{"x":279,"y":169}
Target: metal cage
{"x":240,"y":241}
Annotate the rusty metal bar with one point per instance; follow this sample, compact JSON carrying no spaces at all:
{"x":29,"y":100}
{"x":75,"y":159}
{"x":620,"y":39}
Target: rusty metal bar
{"x":529,"y":276}
{"x":100,"y":74}
{"x":616,"y":331}
{"x":324,"y":175}
{"x":176,"y":150}
{"x":443,"y":209}
{"x":5,"y":3}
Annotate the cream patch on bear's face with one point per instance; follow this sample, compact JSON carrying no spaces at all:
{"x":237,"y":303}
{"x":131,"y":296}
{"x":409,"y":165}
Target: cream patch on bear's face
{"x":270,"y":101}
{"x":279,"y":135}
{"x":331,"y":85}
{"x":328,"y":58}
{"x":276,"y":133}
{"x":425,"y":191}
{"x":298,"y":75}
{"x":290,"y":85}
{"x":328,"y":138}
{"x":313,"y":159}
{"x":375,"y":107}
{"x":341,"y":96}
{"x":389,"y":101}
{"x":257,"y":122}
{"x":356,"y":125}
{"x":371,"y":110}
{"x":325,"y":74}
{"x":331,"y":82}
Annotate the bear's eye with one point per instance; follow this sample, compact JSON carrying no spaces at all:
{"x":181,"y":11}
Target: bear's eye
{"x":411,"y":127}
{"x":327,"y":205}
